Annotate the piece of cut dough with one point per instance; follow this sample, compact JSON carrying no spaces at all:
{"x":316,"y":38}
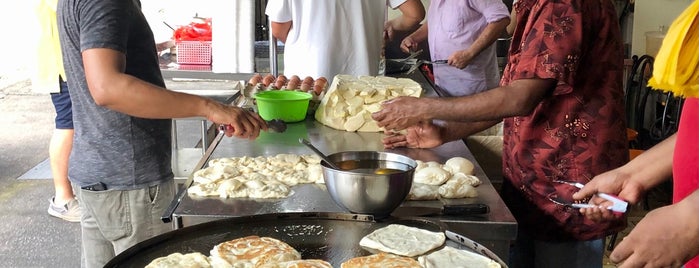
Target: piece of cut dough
{"x":403,"y":240}
{"x":457,"y":258}
{"x":179,"y":260}
{"x":381,"y":260}
{"x":431,"y":175}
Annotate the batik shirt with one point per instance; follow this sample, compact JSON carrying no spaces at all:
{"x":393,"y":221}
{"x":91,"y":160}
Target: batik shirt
{"x":578,"y":130}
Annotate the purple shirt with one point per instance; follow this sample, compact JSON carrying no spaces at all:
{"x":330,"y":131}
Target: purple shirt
{"x":455,"y":25}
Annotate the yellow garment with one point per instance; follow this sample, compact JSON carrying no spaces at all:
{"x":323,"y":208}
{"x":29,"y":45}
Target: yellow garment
{"x":49,"y":64}
{"x":675,"y":68}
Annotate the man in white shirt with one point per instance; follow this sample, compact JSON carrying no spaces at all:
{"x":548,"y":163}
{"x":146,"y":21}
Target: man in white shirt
{"x":330,"y":37}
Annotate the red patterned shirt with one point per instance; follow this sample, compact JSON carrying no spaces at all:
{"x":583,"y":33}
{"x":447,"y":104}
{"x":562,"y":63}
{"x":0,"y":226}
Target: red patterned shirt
{"x":576,"y":132}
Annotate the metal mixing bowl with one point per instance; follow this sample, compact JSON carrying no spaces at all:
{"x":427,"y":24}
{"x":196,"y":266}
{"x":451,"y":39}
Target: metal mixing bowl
{"x":370,"y":182}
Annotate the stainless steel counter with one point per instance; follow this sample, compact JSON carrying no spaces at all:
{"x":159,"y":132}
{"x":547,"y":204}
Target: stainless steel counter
{"x":494,"y":230}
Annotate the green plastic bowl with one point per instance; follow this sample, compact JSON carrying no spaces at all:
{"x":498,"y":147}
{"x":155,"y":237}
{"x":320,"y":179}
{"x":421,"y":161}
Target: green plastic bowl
{"x":289,"y":106}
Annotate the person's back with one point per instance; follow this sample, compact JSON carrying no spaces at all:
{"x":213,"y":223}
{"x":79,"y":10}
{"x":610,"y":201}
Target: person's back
{"x":332,"y":37}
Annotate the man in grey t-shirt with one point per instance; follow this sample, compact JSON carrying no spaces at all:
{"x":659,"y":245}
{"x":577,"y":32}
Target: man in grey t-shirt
{"x":121,"y":152}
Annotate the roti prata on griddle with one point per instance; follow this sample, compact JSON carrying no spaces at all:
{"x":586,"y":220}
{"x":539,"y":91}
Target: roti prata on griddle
{"x":308,"y":263}
{"x":403,"y":240}
{"x":253,"y":251}
{"x":179,"y":260}
{"x":381,"y":260}
{"x":452,"y":257}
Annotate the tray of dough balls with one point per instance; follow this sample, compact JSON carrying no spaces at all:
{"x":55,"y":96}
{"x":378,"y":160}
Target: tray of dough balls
{"x":309,"y":240}
{"x":275,"y":178}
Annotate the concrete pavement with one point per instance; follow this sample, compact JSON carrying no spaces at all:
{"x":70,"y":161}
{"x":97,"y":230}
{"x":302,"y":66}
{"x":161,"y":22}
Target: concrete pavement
{"x":30,"y":237}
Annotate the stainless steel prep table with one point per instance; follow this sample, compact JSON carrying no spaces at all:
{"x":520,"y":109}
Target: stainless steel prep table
{"x":494,"y":230}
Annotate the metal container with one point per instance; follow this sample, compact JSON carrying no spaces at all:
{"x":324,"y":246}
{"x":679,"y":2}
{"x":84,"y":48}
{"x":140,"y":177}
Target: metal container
{"x":371,"y":182}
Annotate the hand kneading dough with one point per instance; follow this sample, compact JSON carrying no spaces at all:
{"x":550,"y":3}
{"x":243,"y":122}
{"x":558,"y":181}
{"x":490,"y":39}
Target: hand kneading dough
{"x":381,"y":260}
{"x":459,"y":165}
{"x":451,"y":257}
{"x":421,"y":191}
{"x":349,"y":101}
{"x":431,"y":176}
{"x":403,"y":240}
{"x":177,"y":260}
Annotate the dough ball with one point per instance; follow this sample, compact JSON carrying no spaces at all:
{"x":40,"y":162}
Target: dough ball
{"x":431,"y":175}
{"x":459,"y":165}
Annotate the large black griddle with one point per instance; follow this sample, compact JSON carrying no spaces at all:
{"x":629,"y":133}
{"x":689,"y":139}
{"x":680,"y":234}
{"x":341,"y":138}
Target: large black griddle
{"x":333,"y":237}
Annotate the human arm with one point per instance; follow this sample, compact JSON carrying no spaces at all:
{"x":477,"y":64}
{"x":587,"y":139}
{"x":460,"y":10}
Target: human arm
{"x":461,"y":58}
{"x":518,"y":98}
{"x":412,"y":13}
{"x":513,"y":22}
{"x":410,"y":43}
{"x":665,"y":237}
{"x":630,"y":181}
{"x":280,"y":30}
{"x":112,"y":88}
{"x":431,"y":134}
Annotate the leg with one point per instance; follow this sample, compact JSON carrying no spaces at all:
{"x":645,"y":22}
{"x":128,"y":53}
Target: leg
{"x":146,"y":207}
{"x":59,"y":151}
{"x":63,"y":205}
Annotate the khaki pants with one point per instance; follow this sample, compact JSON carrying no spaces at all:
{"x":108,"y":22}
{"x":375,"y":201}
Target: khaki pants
{"x":113,"y":220}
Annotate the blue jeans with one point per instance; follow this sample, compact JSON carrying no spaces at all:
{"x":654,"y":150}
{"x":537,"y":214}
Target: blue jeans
{"x":528,"y":252}
{"x":113,"y":221}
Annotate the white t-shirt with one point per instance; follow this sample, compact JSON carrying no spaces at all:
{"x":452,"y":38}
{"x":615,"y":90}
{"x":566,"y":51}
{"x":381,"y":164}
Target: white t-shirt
{"x":330,"y":37}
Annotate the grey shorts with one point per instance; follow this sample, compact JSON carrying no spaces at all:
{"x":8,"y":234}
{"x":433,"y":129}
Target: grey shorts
{"x":113,"y":220}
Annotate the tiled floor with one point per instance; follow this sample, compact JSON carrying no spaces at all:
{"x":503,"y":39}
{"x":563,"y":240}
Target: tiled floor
{"x":660,"y":196}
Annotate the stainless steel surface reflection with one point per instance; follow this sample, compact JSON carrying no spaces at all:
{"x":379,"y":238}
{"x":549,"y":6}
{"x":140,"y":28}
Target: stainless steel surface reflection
{"x":359,"y":189}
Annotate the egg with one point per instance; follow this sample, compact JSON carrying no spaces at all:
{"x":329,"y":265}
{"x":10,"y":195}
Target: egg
{"x":255,"y":79}
{"x":268,"y":80}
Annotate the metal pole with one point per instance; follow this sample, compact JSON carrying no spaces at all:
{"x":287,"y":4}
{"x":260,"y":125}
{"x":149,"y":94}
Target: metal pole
{"x":273,"y":69}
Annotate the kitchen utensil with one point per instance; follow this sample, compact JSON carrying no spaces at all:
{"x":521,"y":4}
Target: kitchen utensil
{"x":412,"y":55}
{"x":333,"y":237}
{"x":433,"y":62}
{"x":359,"y":189}
{"x":319,"y":153}
{"x":618,"y":205}
{"x":450,"y":210}
{"x":290,"y":106}
{"x":472,"y":245}
{"x":276,"y":125}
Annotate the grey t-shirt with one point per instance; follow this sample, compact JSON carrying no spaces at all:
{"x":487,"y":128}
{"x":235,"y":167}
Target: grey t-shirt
{"x":121,"y":151}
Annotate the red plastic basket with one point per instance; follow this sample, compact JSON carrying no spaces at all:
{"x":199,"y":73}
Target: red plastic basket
{"x":194,"y":52}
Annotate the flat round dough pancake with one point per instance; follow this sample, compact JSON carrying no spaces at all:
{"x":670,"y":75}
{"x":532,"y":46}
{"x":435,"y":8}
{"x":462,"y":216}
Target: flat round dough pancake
{"x":403,"y":240}
{"x":452,"y":257}
{"x":311,"y":263}
{"x":381,"y":260}
{"x":253,"y":251}
{"x":179,"y":260}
